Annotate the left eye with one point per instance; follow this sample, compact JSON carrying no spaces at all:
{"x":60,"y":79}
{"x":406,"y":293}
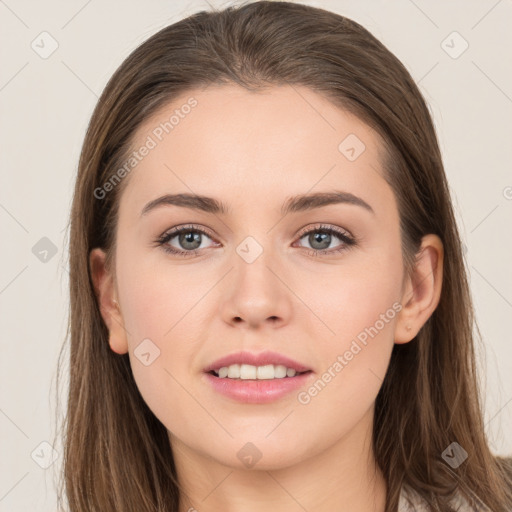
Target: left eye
{"x":321,"y":239}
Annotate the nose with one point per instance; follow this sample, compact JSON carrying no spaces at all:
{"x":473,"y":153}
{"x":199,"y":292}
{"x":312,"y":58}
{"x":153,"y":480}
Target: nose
{"x":257,"y":294}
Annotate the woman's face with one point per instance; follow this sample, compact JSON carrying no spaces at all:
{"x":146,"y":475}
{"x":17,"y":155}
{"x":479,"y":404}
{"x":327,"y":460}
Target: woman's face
{"x":254,"y":282}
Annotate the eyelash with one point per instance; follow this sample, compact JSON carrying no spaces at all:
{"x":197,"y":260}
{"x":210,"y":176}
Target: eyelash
{"x":347,"y":240}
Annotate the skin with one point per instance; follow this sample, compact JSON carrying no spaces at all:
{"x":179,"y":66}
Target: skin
{"x":253,"y":151}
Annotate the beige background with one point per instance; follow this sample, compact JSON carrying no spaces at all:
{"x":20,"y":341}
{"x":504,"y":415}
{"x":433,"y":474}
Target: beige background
{"x":46,"y":104}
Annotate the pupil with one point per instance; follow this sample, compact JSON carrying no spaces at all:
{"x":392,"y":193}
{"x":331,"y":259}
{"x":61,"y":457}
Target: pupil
{"x":323,"y":238}
{"x":191,"y":237}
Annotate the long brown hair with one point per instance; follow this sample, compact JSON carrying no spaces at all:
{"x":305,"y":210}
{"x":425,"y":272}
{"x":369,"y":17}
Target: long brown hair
{"x":117,"y":453}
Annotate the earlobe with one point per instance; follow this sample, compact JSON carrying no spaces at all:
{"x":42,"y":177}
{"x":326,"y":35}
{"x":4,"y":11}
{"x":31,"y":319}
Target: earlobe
{"x":110,"y":310}
{"x":422,"y":290}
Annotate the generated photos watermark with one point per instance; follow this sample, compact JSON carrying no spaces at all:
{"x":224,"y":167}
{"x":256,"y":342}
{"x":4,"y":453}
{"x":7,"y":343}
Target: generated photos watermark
{"x":357,"y":345}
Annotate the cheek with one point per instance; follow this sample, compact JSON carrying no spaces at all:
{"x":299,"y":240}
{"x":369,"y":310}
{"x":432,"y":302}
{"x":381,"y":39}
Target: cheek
{"x":165,"y":322}
{"x":354,"y":361}
{"x":359,"y":306}
{"x":158,"y":295}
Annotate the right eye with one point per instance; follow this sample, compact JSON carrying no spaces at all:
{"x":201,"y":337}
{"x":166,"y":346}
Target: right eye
{"x":188,"y":238}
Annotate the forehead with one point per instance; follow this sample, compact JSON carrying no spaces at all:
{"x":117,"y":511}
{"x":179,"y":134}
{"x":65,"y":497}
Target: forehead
{"x":226,"y":141}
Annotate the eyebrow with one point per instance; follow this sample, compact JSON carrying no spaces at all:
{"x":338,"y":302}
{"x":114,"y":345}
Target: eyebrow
{"x":299,"y":203}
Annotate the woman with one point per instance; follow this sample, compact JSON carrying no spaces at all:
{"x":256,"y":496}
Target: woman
{"x":269,"y":304}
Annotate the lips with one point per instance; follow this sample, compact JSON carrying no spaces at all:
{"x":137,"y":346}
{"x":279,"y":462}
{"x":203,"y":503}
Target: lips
{"x":260,"y":359}
{"x":257,"y":391}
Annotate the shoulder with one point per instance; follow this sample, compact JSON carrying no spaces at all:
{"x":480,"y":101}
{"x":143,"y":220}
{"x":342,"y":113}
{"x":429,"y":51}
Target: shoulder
{"x":411,"y":501}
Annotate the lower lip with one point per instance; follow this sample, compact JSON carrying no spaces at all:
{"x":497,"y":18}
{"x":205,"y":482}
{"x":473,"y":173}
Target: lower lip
{"x":257,"y":391}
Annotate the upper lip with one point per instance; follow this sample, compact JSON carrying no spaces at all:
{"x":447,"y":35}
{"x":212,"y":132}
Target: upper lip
{"x":259,"y":359}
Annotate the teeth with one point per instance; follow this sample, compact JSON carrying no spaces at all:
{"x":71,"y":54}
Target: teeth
{"x":248,"y":371}
{"x":234,"y":371}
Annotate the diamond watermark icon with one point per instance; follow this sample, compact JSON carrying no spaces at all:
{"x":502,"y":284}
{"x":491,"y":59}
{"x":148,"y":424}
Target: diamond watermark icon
{"x":44,"y":455}
{"x":146,"y":352}
{"x":249,"y":455}
{"x":454,"y":455}
{"x":454,"y":45}
{"x":249,"y":250}
{"x":44,"y":45}
{"x":351,"y":147}
{"x":44,"y":250}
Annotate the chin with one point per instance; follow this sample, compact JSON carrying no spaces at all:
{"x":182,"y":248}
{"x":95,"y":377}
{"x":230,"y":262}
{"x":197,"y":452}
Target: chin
{"x":256,"y":454}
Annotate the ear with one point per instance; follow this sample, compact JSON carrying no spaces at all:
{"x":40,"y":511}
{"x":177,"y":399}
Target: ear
{"x":104,"y":288}
{"x":422,"y":289}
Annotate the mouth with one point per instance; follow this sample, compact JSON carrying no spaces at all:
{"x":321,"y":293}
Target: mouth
{"x":252,"y":372}
{"x":256,"y":378}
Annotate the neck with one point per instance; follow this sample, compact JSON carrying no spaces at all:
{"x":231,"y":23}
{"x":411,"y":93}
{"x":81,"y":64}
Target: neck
{"x":342,"y":478}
